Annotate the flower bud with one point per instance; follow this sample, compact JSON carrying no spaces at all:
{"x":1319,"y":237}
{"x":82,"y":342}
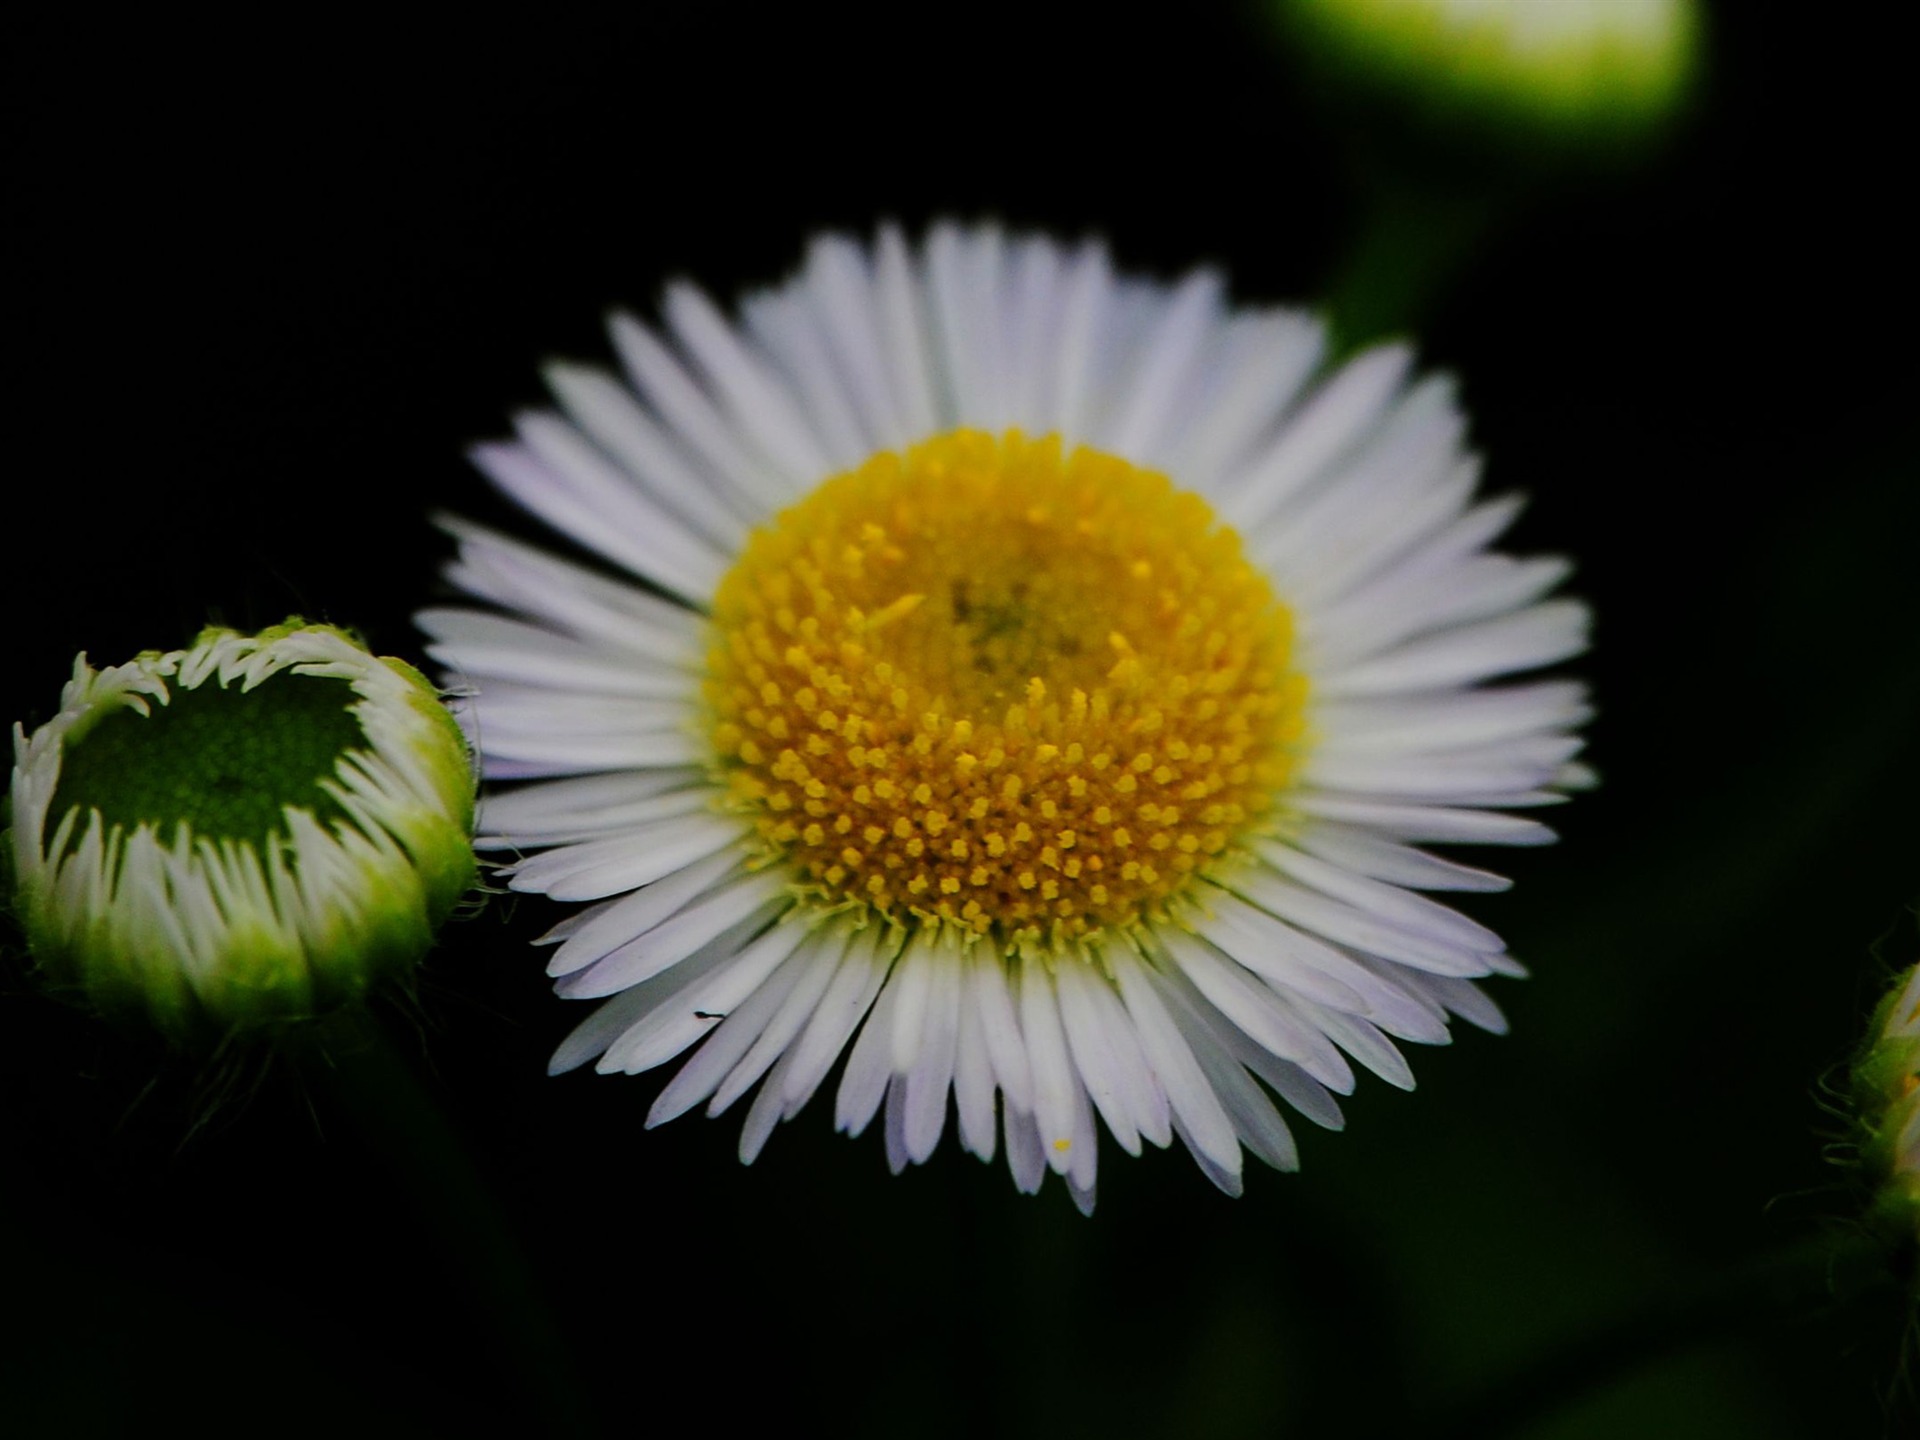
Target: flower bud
{"x":252,"y":830}
{"x":1886,"y":1092}
{"x":1534,"y":69}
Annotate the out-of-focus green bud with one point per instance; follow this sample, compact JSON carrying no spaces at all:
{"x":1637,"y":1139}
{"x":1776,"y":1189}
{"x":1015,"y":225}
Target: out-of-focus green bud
{"x":250,"y":831}
{"x":1886,"y":1094}
{"x":1534,"y":69}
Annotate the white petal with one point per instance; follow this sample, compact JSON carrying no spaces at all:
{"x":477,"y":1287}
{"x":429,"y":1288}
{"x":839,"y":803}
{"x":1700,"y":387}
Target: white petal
{"x":895,"y":1125}
{"x":930,"y":1072}
{"x":1367,"y":1045}
{"x":518,"y":755}
{"x":838,"y":291}
{"x":1034,"y":298}
{"x":621,"y":426}
{"x":1464,"y":998}
{"x":1201,"y":1120}
{"x":1403,"y":602}
{"x":1142,"y":1093}
{"x":1054,"y":1082}
{"x":1414,"y":913}
{"x":695,"y":422}
{"x":759,"y":404}
{"x":1305,"y":1093}
{"x":642,"y":1007}
{"x":1084,"y":1160}
{"x":1026,"y":1159}
{"x":557,"y":475}
{"x":962,"y":281}
{"x":973,"y":1087}
{"x":477,"y":645}
{"x":1454,"y":777}
{"x":586,"y":935}
{"x":1169,"y":357}
{"x":1293,"y":963}
{"x":913,"y":978}
{"x":1285,"y":958}
{"x":648,"y":629}
{"x":1254,"y":1008}
{"x":1337,"y":415}
{"x":846,"y":1001}
{"x":598,"y":868}
{"x":903,"y":331}
{"x":714,"y":1060}
{"x":1366,"y":853}
{"x":690,"y":1012}
{"x":1256,"y":1123}
{"x":1344,"y":924}
{"x":1258,"y":367}
{"x":1006,"y":1046}
{"x":1426,"y":822}
{"x":673,"y":940}
{"x":764,"y":1113}
{"x":796,"y":1008}
{"x":1432,"y":723}
{"x":1093,"y":1053}
{"x":590,"y":1038}
{"x":863,"y":1084}
{"x":558,"y":812}
{"x":1401,"y":483}
{"x":1086,"y":293}
{"x":1528,"y":638}
{"x":788,"y":330}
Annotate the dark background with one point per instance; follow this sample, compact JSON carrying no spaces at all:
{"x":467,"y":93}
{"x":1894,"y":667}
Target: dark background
{"x":268,"y":279}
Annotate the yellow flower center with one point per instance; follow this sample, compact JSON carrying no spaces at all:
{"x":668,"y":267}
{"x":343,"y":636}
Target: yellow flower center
{"x":987,"y":684}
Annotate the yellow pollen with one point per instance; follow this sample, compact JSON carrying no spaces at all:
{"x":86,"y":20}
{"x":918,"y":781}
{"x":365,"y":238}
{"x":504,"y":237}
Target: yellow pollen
{"x":985,"y":661}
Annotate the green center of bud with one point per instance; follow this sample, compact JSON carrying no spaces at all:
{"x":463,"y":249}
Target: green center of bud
{"x":223,"y":761}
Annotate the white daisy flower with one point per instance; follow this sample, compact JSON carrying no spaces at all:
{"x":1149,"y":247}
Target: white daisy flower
{"x":252,"y":830}
{"x":1034,"y":686}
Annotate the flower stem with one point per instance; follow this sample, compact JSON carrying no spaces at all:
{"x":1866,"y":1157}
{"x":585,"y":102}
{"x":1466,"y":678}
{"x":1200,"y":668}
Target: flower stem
{"x":1417,"y":236}
{"x":373,"y":1086}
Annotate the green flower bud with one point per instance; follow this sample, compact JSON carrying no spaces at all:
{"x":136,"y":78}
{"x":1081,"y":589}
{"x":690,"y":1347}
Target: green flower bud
{"x":1886,"y":1093}
{"x":252,"y":830}
{"x":1537,"y":68}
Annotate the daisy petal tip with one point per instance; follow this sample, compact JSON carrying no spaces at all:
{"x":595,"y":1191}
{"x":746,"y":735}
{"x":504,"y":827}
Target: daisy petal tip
{"x":1227,"y":1179}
